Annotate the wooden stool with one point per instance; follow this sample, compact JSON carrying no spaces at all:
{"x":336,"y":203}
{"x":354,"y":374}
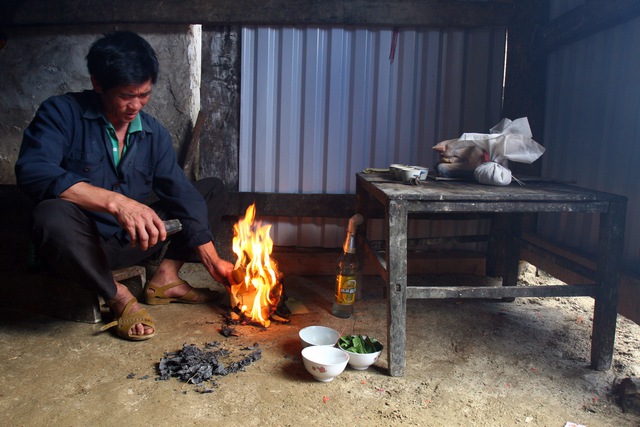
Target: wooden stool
{"x":70,"y":301}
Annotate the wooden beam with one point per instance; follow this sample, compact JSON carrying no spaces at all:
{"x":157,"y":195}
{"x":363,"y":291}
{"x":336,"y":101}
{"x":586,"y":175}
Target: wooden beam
{"x":542,"y":256}
{"x":585,"y":20}
{"x":293,"y":205}
{"x":572,"y":268}
{"x":422,"y":292}
{"x":525,"y":80}
{"x":192,"y":156}
{"x":432,"y":13}
{"x":302,"y":261}
{"x":219,"y":147}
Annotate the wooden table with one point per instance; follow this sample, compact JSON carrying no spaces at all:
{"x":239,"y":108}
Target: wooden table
{"x":507,"y":207}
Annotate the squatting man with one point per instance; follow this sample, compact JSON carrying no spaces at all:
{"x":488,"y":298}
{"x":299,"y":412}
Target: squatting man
{"x":92,"y":161}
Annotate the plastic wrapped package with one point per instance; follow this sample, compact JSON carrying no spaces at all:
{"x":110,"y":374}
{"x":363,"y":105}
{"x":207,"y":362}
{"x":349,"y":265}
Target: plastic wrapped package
{"x":508,"y":141}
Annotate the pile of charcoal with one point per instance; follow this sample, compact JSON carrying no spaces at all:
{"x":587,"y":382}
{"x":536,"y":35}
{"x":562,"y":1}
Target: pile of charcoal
{"x":196,"y":366}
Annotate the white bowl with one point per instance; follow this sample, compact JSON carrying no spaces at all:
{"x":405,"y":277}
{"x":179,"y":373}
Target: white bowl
{"x":394,"y":168}
{"x":424,"y":172}
{"x":361,"y":361}
{"x":324,"y":363}
{"x":318,"y":335}
{"x":407,"y":174}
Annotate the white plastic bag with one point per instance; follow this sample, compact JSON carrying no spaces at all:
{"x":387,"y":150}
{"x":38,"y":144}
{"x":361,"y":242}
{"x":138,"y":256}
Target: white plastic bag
{"x":492,"y":173}
{"x":508,"y":140}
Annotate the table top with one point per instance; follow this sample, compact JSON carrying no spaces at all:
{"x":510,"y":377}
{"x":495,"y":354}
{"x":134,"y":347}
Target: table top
{"x":433,"y":190}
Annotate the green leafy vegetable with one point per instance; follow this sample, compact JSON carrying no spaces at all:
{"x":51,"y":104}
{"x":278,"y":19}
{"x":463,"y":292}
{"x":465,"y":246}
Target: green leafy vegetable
{"x":359,"y":344}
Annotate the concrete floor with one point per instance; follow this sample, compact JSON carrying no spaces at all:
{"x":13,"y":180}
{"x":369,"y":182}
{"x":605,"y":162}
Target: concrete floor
{"x":468,"y":363}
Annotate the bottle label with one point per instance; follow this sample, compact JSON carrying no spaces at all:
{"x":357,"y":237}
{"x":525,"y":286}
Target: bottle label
{"x":345,"y":289}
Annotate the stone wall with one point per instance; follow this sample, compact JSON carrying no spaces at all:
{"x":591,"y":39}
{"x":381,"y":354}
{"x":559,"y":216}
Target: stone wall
{"x":38,"y":62}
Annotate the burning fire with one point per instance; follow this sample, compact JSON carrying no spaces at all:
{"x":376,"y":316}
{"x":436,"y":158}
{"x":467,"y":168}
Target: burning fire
{"x":258,"y":290}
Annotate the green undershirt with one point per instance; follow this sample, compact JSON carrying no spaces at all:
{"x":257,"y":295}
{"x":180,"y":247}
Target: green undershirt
{"x":134,"y":126}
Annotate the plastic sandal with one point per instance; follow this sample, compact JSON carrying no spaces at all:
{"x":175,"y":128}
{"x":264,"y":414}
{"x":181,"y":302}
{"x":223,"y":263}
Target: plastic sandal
{"x":156,"y":295}
{"x":127,"y":320}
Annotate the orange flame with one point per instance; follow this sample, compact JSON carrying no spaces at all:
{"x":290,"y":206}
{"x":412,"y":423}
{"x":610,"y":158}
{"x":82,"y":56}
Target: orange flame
{"x":258,"y":290}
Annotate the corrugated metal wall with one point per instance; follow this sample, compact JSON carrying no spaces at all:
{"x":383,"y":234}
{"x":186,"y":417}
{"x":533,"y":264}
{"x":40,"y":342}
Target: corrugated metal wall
{"x":320,"y":104}
{"x":592,"y":129}
{"x":558,"y":7}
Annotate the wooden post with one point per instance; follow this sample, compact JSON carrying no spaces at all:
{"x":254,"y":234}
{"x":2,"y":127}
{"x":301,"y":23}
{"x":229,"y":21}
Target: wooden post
{"x":220,"y":98}
{"x":397,"y":219}
{"x":605,"y":315}
{"x":500,"y":226}
{"x":512,"y":251}
{"x":525,"y":80}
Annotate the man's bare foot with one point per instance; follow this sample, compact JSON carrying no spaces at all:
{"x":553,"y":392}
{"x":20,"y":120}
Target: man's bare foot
{"x":118,"y":304}
{"x":167,"y":273}
{"x":166,"y":287}
{"x":177,"y":291}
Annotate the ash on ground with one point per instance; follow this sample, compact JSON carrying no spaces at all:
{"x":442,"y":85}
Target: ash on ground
{"x":197,"y":366}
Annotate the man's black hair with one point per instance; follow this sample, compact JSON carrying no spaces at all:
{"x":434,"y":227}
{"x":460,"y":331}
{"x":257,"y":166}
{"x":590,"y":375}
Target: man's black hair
{"x":122,"y":58}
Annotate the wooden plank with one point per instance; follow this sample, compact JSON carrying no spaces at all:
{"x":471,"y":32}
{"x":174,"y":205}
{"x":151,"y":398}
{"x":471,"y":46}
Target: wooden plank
{"x":545,"y":195}
{"x":546,"y":254}
{"x":562,"y":251}
{"x":430,"y":245}
{"x":377,"y":259}
{"x":305,"y":261}
{"x":293,"y":261}
{"x":546,"y":262}
{"x":432,"y":13}
{"x":629,"y":304}
{"x":419,"y":292}
{"x":583,"y":21}
{"x":292,"y":205}
{"x":288,"y":205}
{"x":563,"y":264}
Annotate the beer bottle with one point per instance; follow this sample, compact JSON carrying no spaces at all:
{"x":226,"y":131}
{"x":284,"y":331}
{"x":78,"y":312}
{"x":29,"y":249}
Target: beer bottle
{"x":347,"y":277}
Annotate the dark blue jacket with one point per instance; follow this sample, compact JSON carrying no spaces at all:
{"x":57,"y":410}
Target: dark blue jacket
{"x":67,"y":143}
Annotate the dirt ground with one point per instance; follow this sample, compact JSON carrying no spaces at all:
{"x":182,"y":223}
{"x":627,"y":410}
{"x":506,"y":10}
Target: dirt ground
{"x":469,"y":363}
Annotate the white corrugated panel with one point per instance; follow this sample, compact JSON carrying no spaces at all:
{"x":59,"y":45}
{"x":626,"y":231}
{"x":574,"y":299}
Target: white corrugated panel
{"x":320,"y":104}
{"x":592,"y":130}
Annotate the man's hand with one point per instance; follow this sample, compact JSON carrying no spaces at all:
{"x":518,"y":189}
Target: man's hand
{"x":144,"y":226}
{"x":221,"y":270}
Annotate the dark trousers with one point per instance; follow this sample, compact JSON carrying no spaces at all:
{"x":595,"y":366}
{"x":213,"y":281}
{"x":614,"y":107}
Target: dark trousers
{"x":68,"y":242}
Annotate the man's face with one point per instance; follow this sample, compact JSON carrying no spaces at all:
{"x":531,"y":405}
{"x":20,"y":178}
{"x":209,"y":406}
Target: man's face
{"x":123,"y":103}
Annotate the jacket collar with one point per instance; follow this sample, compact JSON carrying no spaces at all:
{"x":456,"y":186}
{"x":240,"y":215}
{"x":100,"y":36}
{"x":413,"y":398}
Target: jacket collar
{"x":92,"y":109}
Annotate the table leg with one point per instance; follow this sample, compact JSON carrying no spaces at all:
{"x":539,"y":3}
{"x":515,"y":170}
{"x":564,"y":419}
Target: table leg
{"x":362,"y":208}
{"x":396,"y":220}
{"x":496,"y":245}
{"x":503,"y":251}
{"x":605,"y":315}
{"x":512,"y":251}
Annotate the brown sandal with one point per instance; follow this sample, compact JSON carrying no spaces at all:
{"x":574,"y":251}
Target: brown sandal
{"x":156,"y":295}
{"x":127,"y":320}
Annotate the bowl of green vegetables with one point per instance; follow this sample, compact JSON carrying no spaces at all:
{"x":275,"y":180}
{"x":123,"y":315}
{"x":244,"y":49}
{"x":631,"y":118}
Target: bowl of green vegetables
{"x":363,"y":350}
